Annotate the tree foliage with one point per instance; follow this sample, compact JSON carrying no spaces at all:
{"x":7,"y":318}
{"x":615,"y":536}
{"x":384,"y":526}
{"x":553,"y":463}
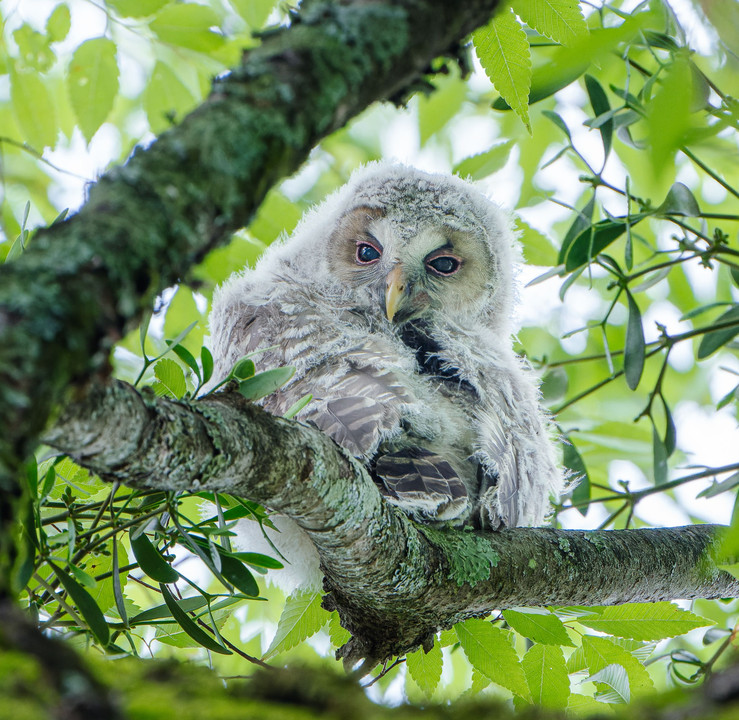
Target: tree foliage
{"x":624,"y":138}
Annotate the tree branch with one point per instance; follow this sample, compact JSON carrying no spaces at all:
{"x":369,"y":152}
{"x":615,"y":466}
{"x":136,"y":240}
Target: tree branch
{"x":393,"y":581}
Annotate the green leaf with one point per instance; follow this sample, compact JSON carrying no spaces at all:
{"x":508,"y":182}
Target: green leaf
{"x":302,"y":617}
{"x":296,"y":407}
{"x":438,"y":108}
{"x":339,"y":635}
{"x":615,"y":678}
{"x":92,"y":81}
{"x":88,"y":608}
{"x":547,"y":676}
{"x":489,"y":650}
{"x":503,"y":50}
{"x":659,"y":454}
{"x":236,"y":573}
{"x":206,"y":359}
{"x":265,"y":383}
{"x":712,"y":341}
{"x":188,"y":25}
{"x":187,"y":357}
{"x":170,"y":375}
{"x":670,"y":431}
{"x":165,"y":98}
{"x":33,"y":109}
{"x":558,"y":121}
{"x":635,"y":346}
{"x":150,"y":559}
{"x":58,"y":24}
{"x":34,"y":48}
{"x":645,"y":621}
{"x":573,"y":461}
{"x":425,"y":668}
{"x":601,"y":106}
{"x":538,"y":625}
{"x":255,"y":12}
{"x":538,"y":249}
{"x":594,"y":239}
{"x":258,"y":560}
{"x":717,"y":488}
{"x":559,"y":20}
{"x":162,"y":612}
{"x":243,"y":369}
{"x":188,"y":624}
{"x":485,"y":163}
{"x":137,"y":8}
{"x":82,"y":577}
{"x":276,"y":215}
{"x":679,"y":201}
{"x":601,"y":652}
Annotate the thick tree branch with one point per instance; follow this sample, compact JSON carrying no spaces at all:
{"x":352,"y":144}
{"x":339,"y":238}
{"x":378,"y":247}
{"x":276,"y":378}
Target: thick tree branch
{"x":393,"y":581}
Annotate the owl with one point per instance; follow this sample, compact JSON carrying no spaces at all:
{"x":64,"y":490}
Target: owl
{"x":394,"y":301}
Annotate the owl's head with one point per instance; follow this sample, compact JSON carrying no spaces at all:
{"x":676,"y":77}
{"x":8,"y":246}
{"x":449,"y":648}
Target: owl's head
{"x":407,"y":245}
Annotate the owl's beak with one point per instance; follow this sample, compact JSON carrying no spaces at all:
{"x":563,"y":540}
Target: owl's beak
{"x":395,"y":291}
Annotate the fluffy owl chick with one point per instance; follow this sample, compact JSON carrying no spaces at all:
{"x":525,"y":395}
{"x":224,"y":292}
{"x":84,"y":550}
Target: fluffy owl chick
{"x":393,"y":299}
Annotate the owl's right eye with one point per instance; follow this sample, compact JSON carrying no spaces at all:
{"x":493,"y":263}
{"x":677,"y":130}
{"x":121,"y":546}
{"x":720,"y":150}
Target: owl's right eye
{"x":367,"y":254}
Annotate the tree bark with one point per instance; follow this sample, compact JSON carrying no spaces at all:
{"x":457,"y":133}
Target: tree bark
{"x":394,"y":582}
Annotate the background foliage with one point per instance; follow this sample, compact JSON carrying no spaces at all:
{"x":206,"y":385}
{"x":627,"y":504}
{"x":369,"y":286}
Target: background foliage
{"x":611,"y":129}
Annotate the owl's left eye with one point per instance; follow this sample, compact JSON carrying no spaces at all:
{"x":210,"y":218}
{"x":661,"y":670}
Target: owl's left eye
{"x":444,"y":264}
{"x":367,"y":253}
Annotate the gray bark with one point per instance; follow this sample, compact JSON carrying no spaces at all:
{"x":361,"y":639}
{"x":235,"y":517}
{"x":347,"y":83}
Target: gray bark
{"x":393,"y":581}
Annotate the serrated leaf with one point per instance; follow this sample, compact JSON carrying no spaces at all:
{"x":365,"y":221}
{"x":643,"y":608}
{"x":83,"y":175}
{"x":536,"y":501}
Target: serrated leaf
{"x":302,"y":617}
{"x":679,"y":201}
{"x":85,"y":603}
{"x":137,"y":8}
{"x":58,"y":24}
{"x":599,"y":103}
{"x":339,"y":635}
{"x":265,"y":383}
{"x":425,"y":668}
{"x":541,"y":627}
{"x":559,"y":20}
{"x":645,"y":621}
{"x":92,"y":82}
{"x":485,"y":163}
{"x":615,"y":678}
{"x":573,"y":461}
{"x":489,"y":650}
{"x":170,"y":375}
{"x":547,"y":676}
{"x":436,"y":109}
{"x":188,"y":25}
{"x":255,"y":12}
{"x":165,"y":98}
{"x":504,"y":53}
{"x":33,"y":109}
{"x":635,"y":347}
{"x":601,"y":652}
{"x":188,"y":624}
{"x":151,"y":561}
{"x":712,"y":341}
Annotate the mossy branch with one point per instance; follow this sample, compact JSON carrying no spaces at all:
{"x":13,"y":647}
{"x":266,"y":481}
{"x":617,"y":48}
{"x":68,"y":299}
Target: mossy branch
{"x":393,"y":581}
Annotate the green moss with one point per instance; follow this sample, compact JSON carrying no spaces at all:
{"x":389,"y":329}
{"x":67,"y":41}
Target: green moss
{"x":532,"y":563}
{"x":469,"y":556}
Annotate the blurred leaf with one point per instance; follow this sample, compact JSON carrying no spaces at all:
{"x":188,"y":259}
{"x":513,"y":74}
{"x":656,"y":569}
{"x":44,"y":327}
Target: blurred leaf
{"x":572,"y":460}
{"x":645,"y":621}
{"x":717,"y":488}
{"x":34,"y":48}
{"x":296,"y":407}
{"x":583,"y":220}
{"x":165,"y":98}
{"x":243,"y":369}
{"x":712,"y":341}
{"x":92,"y":81}
{"x":88,"y":608}
{"x":150,"y":559}
{"x":206,"y":358}
{"x":265,"y":383}
{"x":558,"y":121}
{"x":302,"y":617}
{"x":538,"y":625}
{"x":635,"y":347}
{"x":660,"y":458}
{"x":554,"y":385}
{"x":276,"y":214}
{"x":670,"y":430}
{"x":538,"y":249}
{"x":503,"y":50}
{"x":601,"y":106}
{"x":651,"y":280}
{"x":171,"y":377}
{"x":58,"y":23}
{"x":546,"y":675}
{"x":33,"y":109}
{"x":559,"y":20}
{"x":255,"y":12}
{"x":438,"y":108}
{"x":730,"y":396}
{"x":679,"y":201}
{"x":485,"y":163}
{"x":425,"y":668}
{"x":188,"y":624}
{"x":137,"y":8}
{"x":489,"y":650}
{"x":188,"y":25}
